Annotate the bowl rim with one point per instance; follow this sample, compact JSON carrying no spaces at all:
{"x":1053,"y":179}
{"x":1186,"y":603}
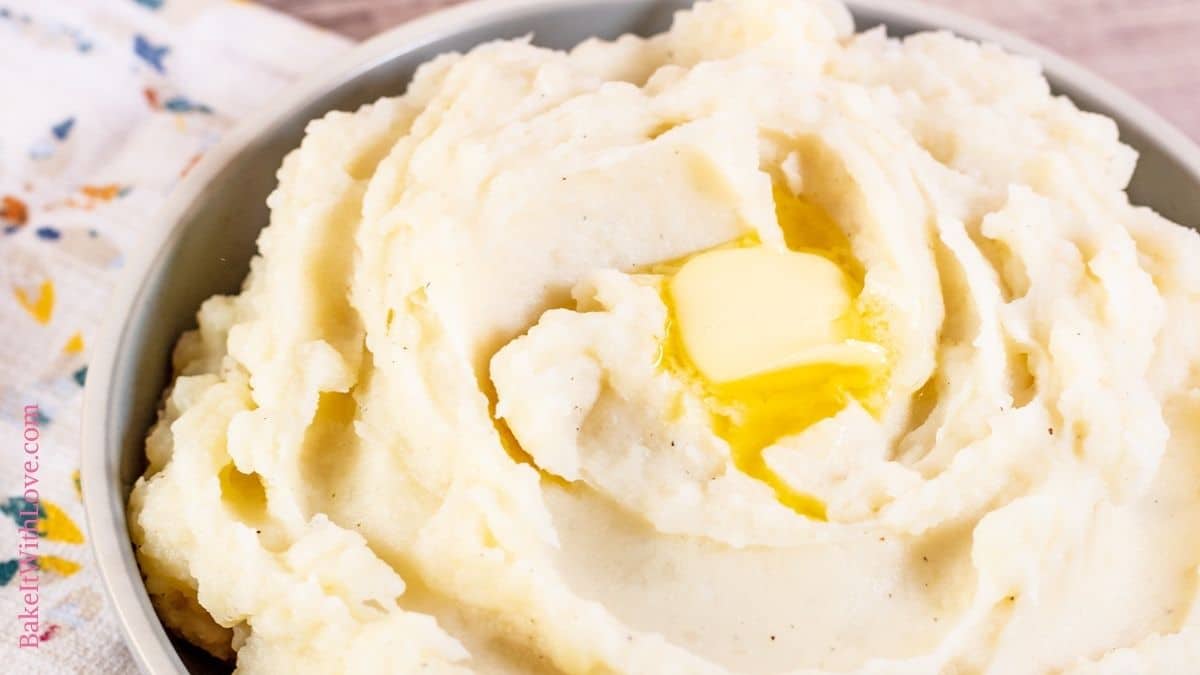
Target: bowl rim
{"x":104,"y":506}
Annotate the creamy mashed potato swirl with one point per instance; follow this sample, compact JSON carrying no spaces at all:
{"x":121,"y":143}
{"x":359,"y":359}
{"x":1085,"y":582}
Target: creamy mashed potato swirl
{"x":452,"y":422}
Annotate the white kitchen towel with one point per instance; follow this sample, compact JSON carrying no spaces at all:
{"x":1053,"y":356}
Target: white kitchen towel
{"x":104,"y":105}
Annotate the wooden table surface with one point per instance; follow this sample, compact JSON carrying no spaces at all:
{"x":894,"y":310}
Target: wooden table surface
{"x":1149,"y":47}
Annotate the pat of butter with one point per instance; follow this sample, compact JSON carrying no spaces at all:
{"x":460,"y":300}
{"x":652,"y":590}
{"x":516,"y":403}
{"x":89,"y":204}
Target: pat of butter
{"x":742,"y":312}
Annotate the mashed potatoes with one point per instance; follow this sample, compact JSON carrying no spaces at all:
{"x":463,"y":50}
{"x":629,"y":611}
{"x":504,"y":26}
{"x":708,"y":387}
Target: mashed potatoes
{"x":758,"y":346}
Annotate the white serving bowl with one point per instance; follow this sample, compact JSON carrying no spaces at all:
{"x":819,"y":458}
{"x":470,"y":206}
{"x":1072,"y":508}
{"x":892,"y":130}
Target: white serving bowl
{"x":205,"y":234}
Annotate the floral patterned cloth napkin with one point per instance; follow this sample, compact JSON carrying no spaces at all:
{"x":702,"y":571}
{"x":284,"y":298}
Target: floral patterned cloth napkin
{"x":104,"y":106}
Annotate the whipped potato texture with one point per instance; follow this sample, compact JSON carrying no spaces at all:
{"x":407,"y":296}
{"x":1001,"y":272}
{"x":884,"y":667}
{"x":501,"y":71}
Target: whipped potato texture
{"x":756,"y":346}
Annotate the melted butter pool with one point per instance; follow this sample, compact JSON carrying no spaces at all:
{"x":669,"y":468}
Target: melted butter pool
{"x":754,"y":412}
